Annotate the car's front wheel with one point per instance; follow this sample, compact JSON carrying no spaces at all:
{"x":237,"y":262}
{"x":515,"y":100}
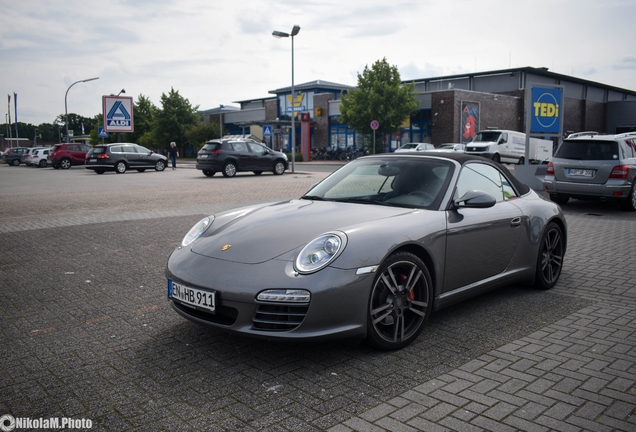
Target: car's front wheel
{"x":400,"y":301}
{"x":15,"y":162}
{"x":279,"y":168}
{"x":65,"y":163}
{"x":121,"y":167}
{"x":496,"y":158}
{"x":630,"y":203}
{"x":550,"y":259}
{"x":229,"y":170}
{"x":160,"y":165}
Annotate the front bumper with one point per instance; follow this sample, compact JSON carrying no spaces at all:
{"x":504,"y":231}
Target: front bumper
{"x":337,"y":309}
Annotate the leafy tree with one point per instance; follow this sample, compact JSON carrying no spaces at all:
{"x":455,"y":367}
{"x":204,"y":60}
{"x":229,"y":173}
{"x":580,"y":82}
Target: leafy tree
{"x":175,"y":117}
{"x":202,"y":132}
{"x":75,"y":123}
{"x":144,"y":112}
{"x":379,"y":96}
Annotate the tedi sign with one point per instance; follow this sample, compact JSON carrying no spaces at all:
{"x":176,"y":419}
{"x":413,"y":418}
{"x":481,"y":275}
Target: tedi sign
{"x":118,"y":114}
{"x":546,"y":110}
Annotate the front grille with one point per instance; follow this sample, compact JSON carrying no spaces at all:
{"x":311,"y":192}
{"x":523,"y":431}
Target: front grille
{"x":279,"y":318}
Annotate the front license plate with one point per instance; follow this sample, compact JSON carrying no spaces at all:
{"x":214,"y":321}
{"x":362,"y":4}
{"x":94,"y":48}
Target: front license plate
{"x":192,"y":296}
{"x":580,"y":172}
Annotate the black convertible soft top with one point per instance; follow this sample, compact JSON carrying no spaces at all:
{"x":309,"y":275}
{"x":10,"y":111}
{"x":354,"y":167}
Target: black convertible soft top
{"x":464,"y":158}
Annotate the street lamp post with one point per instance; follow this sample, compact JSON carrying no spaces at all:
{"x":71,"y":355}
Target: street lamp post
{"x":278,"y":34}
{"x":221,"y":120}
{"x":66,"y":104}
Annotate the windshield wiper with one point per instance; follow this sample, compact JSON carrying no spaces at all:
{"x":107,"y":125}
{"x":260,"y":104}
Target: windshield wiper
{"x":363,"y":200}
{"x":313,"y":197}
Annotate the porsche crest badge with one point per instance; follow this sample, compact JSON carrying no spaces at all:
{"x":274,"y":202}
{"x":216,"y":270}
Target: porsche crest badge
{"x":226,"y":247}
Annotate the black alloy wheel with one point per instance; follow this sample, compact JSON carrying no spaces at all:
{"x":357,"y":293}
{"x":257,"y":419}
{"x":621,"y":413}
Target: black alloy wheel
{"x":550,"y":259}
{"x":400,"y":302}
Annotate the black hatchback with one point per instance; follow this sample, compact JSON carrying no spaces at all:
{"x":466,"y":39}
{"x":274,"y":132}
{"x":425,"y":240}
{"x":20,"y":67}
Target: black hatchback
{"x":233,"y":155}
{"x":121,"y":157}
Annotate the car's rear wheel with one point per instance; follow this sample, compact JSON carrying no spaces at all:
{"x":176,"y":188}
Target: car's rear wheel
{"x":160,"y":165}
{"x":550,"y":259}
{"x":559,"y":198}
{"x":65,"y":163}
{"x":43,"y":164}
{"x":257,"y":172}
{"x":229,"y":169}
{"x":630,"y":203}
{"x":400,"y":301}
{"x":279,"y":168}
{"x":15,"y":162}
{"x":121,"y":167}
{"x":209,"y":173}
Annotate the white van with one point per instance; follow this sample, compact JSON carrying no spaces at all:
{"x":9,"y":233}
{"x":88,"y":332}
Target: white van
{"x":508,"y":146}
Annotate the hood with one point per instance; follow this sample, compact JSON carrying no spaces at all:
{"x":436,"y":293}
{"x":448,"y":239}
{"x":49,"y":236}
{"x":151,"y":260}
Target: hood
{"x":259,"y":234}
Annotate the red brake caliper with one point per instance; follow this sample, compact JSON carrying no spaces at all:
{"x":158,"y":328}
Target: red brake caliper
{"x":410,"y":294}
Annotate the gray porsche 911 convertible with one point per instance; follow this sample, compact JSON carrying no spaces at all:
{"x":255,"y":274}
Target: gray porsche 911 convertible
{"x":369,"y":252}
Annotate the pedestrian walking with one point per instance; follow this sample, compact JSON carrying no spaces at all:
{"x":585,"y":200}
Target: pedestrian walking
{"x":173,"y":153}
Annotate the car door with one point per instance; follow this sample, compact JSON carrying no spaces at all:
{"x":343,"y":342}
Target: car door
{"x":481,"y":241}
{"x":143,"y":157}
{"x":131,"y":155}
{"x":261,"y":160}
{"x":244,"y":156}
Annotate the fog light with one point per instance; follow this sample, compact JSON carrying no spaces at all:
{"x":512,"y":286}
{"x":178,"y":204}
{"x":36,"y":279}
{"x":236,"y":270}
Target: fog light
{"x":285,"y":295}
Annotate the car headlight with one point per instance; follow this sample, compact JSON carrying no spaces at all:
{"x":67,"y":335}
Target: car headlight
{"x":320,"y":252}
{"x":196,"y":231}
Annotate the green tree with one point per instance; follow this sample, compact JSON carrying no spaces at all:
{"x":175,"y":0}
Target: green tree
{"x":202,"y":132}
{"x":172,"y":121}
{"x":379,"y":96}
{"x":144,"y":112}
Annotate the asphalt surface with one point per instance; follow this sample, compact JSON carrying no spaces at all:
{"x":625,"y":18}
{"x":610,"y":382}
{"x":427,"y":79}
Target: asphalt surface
{"x":87,"y":333}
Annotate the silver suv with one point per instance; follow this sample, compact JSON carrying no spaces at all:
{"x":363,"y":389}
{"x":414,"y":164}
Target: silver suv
{"x":593,"y":166}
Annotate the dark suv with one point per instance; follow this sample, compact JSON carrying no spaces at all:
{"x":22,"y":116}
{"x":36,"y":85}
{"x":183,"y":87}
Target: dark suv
{"x":65,"y":155}
{"x":593,"y":166}
{"x":233,"y":155}
{"x":13,"y":156}
{"x":120,"y":157}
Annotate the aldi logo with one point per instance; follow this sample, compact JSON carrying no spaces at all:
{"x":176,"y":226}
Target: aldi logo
{"x":118,"y":114}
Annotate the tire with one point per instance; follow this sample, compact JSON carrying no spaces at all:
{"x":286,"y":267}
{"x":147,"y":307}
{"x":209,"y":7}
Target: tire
{"x":397,"y":313}
{"x":229,"y":169}
{"x":141,"y":169}
{"x":550,"y":259}
{"x":15,"y":162}
{"x":560,"y":199}
{"x":258,"y":172}
{"x":209,"y":173}
{"x":630,"y":203}
{"x":120,"y":167}
{"x":65,"y":163}
{"x":56,"y":166}
{"x":160,"y":165}
{"x":279,"y":168}
{"x":99,"y":171}
{"x":521,"y":161}
{"x":43,"y":164}
{"x":496,"y":158}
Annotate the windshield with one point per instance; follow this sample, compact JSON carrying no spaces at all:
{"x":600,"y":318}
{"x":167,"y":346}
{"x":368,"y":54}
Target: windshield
{"x":588,"y":150}
{"x":487,"y":136}
{"x":401,"y":182}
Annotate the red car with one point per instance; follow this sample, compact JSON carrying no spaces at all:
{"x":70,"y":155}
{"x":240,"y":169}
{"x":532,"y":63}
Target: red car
{"x":65,"y":155}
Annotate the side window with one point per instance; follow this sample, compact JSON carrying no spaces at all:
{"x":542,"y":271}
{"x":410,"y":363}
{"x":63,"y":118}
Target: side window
{"x":257,"y":148}
{"x":115,"y":149}
{"x":239,"y":146}
{"x":503,"y":139}
{"x":129,"y":149}
{"x":476,"y":176}
{"x":73,"y":148}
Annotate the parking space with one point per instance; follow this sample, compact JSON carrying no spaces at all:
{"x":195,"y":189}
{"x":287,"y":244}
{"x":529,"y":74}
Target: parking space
{"x":88,"y":334}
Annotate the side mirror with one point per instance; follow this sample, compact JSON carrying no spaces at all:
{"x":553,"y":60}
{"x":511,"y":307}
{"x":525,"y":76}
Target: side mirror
{"x":475,"y":199}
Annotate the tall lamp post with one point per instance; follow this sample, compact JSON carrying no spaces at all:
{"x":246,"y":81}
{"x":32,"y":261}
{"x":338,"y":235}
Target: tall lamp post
{"x":278,"y":34}
{"x":221,"y":120}
{"x":66,"y":105}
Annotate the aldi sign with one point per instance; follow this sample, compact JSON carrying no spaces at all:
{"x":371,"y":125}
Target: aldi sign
{"x":118,"y":114}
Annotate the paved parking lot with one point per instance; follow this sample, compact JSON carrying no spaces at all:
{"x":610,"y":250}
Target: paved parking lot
{"x":87,"y":332}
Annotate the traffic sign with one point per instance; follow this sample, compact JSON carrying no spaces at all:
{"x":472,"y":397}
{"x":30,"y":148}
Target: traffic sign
{"x":267,"y":131}
{"x":375,"y":124}
{"x":101,"y":133}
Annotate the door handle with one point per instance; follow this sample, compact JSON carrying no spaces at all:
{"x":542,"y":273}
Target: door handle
{"x":515,"y":221}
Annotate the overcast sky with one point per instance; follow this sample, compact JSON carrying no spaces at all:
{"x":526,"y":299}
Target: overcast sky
{"x":221,"y":51}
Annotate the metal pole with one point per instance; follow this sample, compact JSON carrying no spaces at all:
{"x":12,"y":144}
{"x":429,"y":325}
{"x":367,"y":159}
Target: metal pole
{"x":66,"y":104}
{"x":293,"y":113}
